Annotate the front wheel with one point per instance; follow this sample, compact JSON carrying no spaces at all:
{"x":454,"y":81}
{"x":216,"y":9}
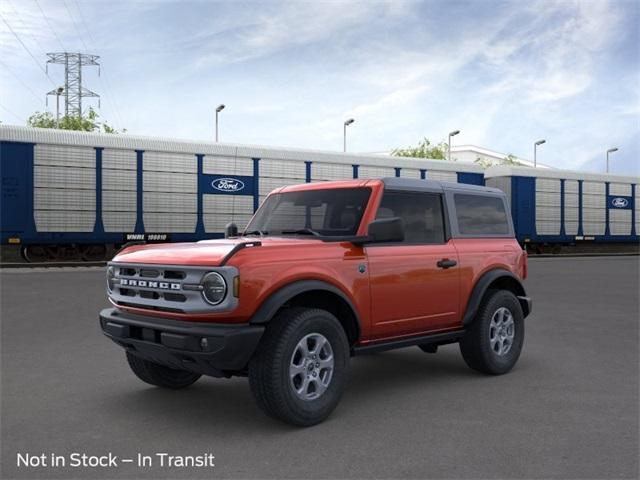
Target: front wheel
{"x":494,"y":341}
{"x":299,"y":370}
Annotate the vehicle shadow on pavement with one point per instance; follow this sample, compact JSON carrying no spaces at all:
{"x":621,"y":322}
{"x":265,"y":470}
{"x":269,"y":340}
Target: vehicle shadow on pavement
{"x":229,"y":405}
{"x":373,"y":375}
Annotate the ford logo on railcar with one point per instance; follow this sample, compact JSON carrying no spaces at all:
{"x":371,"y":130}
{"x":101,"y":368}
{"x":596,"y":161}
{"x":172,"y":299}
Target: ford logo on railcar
{"x":228,"y":184}
{"x":619,"y":202}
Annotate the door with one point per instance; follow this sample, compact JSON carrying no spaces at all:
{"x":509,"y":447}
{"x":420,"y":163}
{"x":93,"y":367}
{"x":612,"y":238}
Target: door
{"x":414,"y":283}
{"x":16,"y":165}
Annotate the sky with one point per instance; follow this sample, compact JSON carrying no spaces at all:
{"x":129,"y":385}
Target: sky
{"x":290,"y":73}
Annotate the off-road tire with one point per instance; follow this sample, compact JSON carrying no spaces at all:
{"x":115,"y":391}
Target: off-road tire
{"x":269,"y":376}
{"x":475,"y":345}
{"x":159,"y":375}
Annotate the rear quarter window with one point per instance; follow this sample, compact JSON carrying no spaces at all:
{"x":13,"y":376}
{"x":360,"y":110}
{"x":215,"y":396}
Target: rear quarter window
{"x":481,"y":215}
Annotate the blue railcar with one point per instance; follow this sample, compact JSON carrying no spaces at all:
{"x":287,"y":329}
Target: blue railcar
{"x":74,"y":195}
{"x":561,"y":207}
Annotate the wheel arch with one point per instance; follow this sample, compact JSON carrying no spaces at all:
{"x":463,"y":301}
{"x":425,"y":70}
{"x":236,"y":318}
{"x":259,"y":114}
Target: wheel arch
{"x":496,"y":279}
{"x":312,"y":294}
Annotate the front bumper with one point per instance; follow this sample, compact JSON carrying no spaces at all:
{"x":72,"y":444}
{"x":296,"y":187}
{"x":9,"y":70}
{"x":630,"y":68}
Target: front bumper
{"x":209,"y":349}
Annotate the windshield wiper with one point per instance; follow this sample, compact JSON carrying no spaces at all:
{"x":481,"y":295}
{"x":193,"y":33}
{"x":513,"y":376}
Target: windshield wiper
{"x":254,"y":232}
{"x":302,"y":231}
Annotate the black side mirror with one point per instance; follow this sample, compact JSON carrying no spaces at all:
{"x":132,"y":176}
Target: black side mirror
{"x":386,"y":230}
{"x":230,"y":230}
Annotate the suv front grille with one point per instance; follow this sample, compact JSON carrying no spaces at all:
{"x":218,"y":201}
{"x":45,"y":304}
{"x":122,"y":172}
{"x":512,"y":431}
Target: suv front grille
{"x":166,"y":288}
{"x":153,"y":278}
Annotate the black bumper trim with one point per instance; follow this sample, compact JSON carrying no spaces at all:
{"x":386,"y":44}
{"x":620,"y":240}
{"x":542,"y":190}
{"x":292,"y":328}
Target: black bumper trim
{"x":527,"y":305}
{"x":209,"y":349}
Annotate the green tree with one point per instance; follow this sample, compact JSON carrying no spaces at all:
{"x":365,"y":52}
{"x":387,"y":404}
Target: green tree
{"x":87,"y":123}
{"x":424,"y":150}
{"x":510,"y":160}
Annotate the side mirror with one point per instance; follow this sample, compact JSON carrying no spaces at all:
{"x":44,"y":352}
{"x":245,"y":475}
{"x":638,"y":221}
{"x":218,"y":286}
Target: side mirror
{"x":230,"y":230}
{"x":386,"y":230}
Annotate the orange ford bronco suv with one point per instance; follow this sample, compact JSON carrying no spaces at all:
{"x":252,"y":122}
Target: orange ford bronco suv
{"x":323,"y":272}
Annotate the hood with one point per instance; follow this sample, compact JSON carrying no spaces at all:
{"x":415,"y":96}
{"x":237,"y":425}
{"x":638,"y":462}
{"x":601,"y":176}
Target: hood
{"x":204,"y":252}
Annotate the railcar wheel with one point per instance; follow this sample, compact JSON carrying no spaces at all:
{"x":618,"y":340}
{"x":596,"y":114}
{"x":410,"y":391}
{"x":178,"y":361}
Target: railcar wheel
{"x":93,"y":253}
{"x":34,"y":253}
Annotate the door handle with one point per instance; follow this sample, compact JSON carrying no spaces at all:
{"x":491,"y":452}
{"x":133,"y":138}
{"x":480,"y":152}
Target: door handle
{"x":446,"y":263}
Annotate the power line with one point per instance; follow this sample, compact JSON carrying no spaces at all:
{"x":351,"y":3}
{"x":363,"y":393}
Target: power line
{"x":27,"y":30}
{"x":112,"y":97}
{"x":84,"y":23}
{"x":27,"y":49}
{"x":20,"y":80}
{"x":75,"y":25}
{"x":106,"y":83}
{"x":24,"y":25}
{"x":55,"y":34}
{"x":12,"y":113}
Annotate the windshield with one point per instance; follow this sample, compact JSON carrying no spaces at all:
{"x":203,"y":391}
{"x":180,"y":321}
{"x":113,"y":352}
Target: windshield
{"x":328,"y":212}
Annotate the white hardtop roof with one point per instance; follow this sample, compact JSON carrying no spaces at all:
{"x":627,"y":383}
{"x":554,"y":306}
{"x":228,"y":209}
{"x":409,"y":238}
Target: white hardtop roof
{"x":135,"y":142}
{"x":509,"y":171}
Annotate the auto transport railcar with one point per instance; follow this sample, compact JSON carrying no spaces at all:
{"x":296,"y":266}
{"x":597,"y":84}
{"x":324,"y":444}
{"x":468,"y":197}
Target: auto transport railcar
{"x":75,"y":195}
{"x":552,"y":208}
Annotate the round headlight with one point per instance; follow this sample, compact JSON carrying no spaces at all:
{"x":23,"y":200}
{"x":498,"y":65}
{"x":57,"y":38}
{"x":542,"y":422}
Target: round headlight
{"x":214,"y":288}
{"x":111,"y":274}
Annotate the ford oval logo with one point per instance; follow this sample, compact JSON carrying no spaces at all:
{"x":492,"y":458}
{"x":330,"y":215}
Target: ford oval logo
{"x":620,"y":202}
{"x":228,"y":184}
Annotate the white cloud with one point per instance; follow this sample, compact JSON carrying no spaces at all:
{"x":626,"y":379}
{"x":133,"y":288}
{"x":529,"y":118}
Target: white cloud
{"x":553,"y":56}
{"x":254,"y":33}
{"x":291,"y":72}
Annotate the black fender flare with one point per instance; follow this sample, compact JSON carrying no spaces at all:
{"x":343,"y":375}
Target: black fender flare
{"x":482,"y":285}
{"x":280,"y":297}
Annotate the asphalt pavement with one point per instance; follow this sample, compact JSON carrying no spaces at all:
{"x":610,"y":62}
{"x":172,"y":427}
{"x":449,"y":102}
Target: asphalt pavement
{"x":570,"y":408}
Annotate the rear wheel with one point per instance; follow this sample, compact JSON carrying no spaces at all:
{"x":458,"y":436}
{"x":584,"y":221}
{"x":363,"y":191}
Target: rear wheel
{"x":494,"y":341}
{"x":299,"y":371}
{"x":159,"y":375}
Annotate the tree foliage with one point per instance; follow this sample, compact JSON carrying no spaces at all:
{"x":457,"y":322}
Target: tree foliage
{"x":424,"y":150}
{"x":510,"y":159}
{"x":87,"y":123}
{"x":440,"y":151}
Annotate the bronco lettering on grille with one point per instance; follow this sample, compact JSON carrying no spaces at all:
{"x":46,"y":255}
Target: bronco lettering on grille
{"x":128,"y":282}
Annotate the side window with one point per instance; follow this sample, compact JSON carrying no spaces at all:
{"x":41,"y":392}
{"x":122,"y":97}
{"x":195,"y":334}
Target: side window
{"x":481,"y":215}
{"x":421,"y":214}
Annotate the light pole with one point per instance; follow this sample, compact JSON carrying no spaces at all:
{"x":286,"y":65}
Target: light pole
{"x":344,"y":135}
{"x":59,"y":91}
{"x":219,"y":108}
{"x":611,"y":150}
{"x":451,"y":134}
{"x":535,"y":152}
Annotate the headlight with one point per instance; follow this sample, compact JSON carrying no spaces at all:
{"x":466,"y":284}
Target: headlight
{"x":214,"y":288}
{"x":111,"y":273}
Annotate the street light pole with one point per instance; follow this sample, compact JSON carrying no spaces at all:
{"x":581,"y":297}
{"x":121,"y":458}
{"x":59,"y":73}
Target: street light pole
{"x":535,"y":152}
{"x":611,"y":150}
{"x":59,"y":91}
{"x":219,"y":108}
{"x":344,"y":134}
{"x":451,"y":134}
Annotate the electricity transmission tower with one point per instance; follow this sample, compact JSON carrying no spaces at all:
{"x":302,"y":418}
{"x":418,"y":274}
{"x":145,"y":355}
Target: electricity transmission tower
{"x":74,"y":92}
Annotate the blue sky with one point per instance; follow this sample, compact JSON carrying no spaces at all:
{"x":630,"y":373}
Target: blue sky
{"x":504,"y":73}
